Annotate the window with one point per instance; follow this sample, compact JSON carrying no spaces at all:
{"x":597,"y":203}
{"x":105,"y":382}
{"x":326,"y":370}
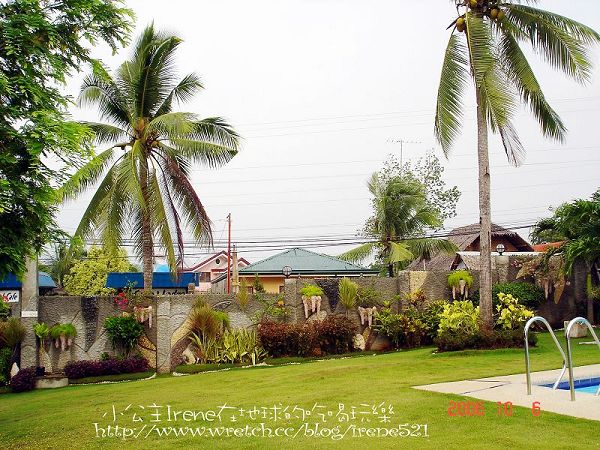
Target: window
{"x":217,"y":261}
{"x":281,"y":289}
{"x":204,"y":277}
{"x":250,"y":290}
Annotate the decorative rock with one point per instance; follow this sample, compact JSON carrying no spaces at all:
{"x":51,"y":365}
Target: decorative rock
{"x":318,"y":317}
{"x":359,"y":342}
{"x":189,"y":356}
{"x":14,"y":370}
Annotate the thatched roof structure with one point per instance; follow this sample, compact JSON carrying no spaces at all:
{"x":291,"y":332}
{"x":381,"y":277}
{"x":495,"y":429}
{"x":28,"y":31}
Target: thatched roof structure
{"x":467,"y":240}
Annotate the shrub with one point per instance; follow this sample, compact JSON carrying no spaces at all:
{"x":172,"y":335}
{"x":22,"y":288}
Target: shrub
{"x":367,"y":296}
{"x":335,"y":334}
{"x":280,"y":339}
{"x":431,"y":316}
{"x":123,"y":332}
{"x":257,"y":285}
{"x":348,"y":292}
{"x":404,"y":330}
{"x":528,"y":294}
{"x":12,"y":332}
{"x":512,"y":316}
{"x":490,"y":340}
{"x":24,"y":380}
{"x":242,"y":296}
{"x":5,"y":360}
{"x":460,"y":317}
{"x":111,"y":366}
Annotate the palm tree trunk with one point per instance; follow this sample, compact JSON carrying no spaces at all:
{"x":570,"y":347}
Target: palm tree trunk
{"x":146,"y":233}
{"x":485,"y":220}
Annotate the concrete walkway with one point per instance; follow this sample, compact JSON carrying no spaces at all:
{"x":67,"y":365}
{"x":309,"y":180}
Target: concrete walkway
{"x":513,"y":388}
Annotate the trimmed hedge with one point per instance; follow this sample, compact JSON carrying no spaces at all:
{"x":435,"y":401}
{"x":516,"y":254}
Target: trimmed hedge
{"x":83,"y":369}
{"x":331,"y":336}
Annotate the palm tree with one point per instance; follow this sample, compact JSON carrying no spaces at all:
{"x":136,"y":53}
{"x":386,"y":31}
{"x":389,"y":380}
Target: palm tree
{"x":401,"y":214}
{"x":146,"y":186}
{"x":485,"y":45}
{"x":578,"y":225}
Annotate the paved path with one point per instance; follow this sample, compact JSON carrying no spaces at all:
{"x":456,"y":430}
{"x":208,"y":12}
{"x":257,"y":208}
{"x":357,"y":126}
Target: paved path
{"x":513,"y":388}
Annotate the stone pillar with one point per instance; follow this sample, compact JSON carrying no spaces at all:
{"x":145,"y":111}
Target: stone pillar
{"x":163,"y":334}
{"x":290,"y":298}
{"x":502,"y":268}
{"x":29,"y":313}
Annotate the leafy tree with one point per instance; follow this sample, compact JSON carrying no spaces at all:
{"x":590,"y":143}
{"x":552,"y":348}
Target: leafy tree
{"x":402,"y":214}
{"x":62,"y":259}
{"x":429,"y":172}
{"x":485,"y":46}
{"x":578,"y":224}
{"x":88,"y":275}
{"x":146,"y":186}
{"x":41,"y":44}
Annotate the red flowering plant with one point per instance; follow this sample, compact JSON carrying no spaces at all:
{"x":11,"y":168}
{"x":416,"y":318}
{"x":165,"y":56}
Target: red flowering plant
{"x":127,"y":298}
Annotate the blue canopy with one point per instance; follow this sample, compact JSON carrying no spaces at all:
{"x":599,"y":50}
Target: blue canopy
{"x":160,"y":280}
{"x":45,"y":281}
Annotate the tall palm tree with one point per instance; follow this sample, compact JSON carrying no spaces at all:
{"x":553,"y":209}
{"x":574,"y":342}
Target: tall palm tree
{"x":401,"y":214}
{"x":485,"y":46}
{"x":146,"y":186}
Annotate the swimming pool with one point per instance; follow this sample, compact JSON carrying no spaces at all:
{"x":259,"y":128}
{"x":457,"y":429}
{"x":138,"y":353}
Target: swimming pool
{"x":587,"y":385}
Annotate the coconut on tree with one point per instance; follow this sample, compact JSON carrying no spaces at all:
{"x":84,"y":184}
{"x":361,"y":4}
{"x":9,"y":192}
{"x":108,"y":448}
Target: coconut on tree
{"x":485,"y":46}
{"x":145,"y":188}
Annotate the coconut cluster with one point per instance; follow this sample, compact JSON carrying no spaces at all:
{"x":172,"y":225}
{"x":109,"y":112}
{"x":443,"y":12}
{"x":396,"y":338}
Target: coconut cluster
{"x":487,"y":8}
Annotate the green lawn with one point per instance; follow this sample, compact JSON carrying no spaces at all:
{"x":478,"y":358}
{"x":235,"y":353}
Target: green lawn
{"x":64,"y":418}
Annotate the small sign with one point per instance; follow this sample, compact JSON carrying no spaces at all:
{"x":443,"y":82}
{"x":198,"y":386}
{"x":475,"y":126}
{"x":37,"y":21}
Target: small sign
{"x":10,"y":296}
{"x":33,"y":314}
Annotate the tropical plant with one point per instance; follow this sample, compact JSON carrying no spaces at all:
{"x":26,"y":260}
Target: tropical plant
{"x":42,"y":332}
{"x":257,"y":285}
{"x":460,"y":281}
{"x":4,"y":309}
{"x":348,"y":290}
{"x":367,"y":296}
{"x":62,"y":258}
{"x":311,"y":290}
{"x":577,"y":224}
{"x":401,"y":215}
{"x":511,"y":315}
{"x":146,"y":187}
{"x":123,"y":332}
{"x":12,"y":333}
{"x":491,"y":55}
{"x":459,"y":317}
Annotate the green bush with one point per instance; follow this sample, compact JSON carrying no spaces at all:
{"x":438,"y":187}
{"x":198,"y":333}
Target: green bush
{"x":123,"y":332}
{"x":367,"y":296}
{"x":528,"y":294}
{"x":348,"y":291}
{"x":460,"y":317}
{"x":311,"y":290}
{"x":404,"y":330}
{"x":5,"y":360}
{"x":431,"y":316}
{"x":511,"y":315}
{"x":4,"y":310}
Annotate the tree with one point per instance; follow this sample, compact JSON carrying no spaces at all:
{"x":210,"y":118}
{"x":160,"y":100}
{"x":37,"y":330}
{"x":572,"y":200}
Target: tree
{"x":41,"y":44}
{"x":146,"y":187}
{"x":62,"y":259}
{"x":490,"y":54}
{"x":428,"y":171}
{"x":402,"y":214}
{"x":88,"y":275}
{"x":577,"y":224}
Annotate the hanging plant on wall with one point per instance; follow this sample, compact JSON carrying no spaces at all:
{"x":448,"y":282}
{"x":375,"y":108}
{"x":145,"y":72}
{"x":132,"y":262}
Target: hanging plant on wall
{"x":63,"y":335}
{"x":460,"y":281}
{"x":548,"y":272}
{"x":311,"y":298}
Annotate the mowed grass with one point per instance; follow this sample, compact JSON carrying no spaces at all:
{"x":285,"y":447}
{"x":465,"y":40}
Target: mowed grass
{"x":64,"y":418}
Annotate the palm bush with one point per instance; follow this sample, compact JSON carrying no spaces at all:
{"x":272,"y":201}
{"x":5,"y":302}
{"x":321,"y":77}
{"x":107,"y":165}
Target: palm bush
{"x":348,"y":290}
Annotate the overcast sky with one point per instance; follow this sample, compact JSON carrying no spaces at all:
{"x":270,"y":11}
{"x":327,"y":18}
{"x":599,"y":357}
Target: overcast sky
{"x":319,"y":89}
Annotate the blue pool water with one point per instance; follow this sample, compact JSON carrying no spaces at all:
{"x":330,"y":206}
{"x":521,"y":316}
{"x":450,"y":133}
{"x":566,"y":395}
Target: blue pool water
{"x":587,"y":385}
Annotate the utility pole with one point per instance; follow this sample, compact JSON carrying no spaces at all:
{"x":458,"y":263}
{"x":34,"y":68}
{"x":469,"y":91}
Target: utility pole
{"x":229,"y":254}
{"x":402,"y":142}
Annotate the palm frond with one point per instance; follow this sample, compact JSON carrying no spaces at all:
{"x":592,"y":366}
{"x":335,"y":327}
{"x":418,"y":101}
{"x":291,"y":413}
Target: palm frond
{"x":519,"y":71}
{"x":96,"y":91}
{"x":185,"y":90}
{"x":562,"y":41}
{"x":399,"y":252}
{"x":427,"y":247}
{"x":171,"y":125}
{"x":448,"y":115}
{"x":480,"y":46}
{"x":211,"y":155}
{"x":86,"y":176}
{"x":217,"y":131}
{"x":359,"y":253}
{"x":105,"y":133}
{"x":113,"y":208}
{"x":159,"y":217}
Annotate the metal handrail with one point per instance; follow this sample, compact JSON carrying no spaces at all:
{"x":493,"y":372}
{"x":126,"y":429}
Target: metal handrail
{"x":570,"y":354}
{"x":527,"y":363}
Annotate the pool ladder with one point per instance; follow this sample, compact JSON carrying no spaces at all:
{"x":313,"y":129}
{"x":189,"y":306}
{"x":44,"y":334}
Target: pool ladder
{"x":567,"y":359}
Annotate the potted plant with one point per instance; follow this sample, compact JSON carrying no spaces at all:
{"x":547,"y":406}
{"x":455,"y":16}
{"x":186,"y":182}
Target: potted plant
{"x":63,"y":335}
{"x":460,"y":281}
{"x":55,"y":333}
{"x":311,"y":298}
{"x":69,"y":332}
{"x":367,"y":298}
